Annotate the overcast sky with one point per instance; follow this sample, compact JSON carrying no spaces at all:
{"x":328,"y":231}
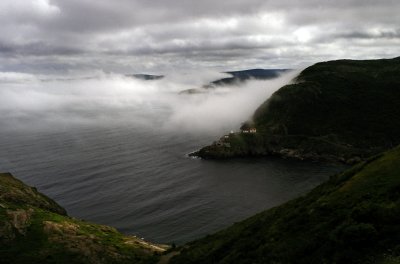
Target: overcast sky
{"x":158,"y":36}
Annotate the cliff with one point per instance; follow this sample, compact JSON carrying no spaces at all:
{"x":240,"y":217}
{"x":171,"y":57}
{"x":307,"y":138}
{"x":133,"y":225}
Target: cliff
{"x":35,"y":229}
{"x":341,"y":110}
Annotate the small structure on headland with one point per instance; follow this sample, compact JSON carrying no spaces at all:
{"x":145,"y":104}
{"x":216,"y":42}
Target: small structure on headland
{"x":224,"y":141}
{"x":247,"y":128}
{"x":253,"y":130}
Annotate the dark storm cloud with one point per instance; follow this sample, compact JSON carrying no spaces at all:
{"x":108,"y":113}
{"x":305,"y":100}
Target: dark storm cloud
{"x":128,"y":35}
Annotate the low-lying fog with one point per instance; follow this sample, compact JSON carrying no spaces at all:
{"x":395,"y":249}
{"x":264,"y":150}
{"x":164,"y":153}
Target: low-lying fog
{"x":37,"y":102}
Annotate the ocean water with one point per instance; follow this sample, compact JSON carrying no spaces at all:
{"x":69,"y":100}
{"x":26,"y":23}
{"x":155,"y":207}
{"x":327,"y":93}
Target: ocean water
{"x":140,"y":180}
{"x":113,"y":150}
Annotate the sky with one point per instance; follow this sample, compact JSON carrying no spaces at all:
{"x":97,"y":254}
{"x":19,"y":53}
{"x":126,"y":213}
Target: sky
{"x":161,"y":36}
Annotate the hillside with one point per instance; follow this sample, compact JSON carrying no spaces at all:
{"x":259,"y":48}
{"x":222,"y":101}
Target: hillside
{"x":352,"y":218}
{"x":145,"y":77}
{"x":244,"y":75}
{"x":35,"y":229}
{"x":341,"y":110}
{"x":237,"y":78}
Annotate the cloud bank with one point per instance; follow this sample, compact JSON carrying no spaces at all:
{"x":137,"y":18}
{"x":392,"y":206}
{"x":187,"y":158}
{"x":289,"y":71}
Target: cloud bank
{"x":135,"y":36}
{"x":28,"y":102}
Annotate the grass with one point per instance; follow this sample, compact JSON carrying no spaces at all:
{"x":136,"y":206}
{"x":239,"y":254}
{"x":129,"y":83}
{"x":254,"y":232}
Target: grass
{"x":354,"y":100}
{"x":338,"y":110}
{"x":40,"y":234}
{"x":352,"y":218}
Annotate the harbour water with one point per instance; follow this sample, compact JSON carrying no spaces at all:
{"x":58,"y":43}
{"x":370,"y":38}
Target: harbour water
{"x":142,"y":182}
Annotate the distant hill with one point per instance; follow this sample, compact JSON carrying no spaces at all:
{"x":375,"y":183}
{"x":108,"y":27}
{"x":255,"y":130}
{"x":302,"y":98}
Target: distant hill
{"x":237,"y":78}
{"x":343,"y":110}
{"x":146,"y":77}
{"x":35,"y":229}
{"x":352,"y":218}
{"x":241,"y":76}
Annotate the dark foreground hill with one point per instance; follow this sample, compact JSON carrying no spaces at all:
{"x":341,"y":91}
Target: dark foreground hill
{"x":354,"y":217}
{"x":35,"y":229}
{"x":341,"y":110}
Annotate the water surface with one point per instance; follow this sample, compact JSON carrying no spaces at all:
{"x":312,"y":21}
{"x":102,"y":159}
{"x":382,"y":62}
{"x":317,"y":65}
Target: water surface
{"x":140,"y":180}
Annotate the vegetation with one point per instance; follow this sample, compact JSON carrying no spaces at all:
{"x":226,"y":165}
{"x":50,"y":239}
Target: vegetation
{"x":35,"y":229}
{"x":352,"y":218}
{"x":341,"y":110}
{"x":238,"y":77}
{"x":241,"y":76}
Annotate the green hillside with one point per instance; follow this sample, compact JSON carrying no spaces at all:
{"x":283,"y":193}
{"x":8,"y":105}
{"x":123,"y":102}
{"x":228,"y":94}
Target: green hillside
{"x":35,"y":229}
{"x":352,"y":218}
{"x":341,"y":110}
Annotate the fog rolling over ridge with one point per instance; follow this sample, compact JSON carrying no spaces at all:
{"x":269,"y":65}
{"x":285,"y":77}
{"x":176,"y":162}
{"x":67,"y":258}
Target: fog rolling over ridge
{"x":33,"y":102}
{"x":112,"y":149}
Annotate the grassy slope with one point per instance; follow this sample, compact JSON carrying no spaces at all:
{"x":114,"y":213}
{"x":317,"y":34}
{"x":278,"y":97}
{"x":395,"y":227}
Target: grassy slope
{"x":355,"y":100}
{"x":352,"y":218}
{"x":34,"y":229}
{"x":337,"y":110}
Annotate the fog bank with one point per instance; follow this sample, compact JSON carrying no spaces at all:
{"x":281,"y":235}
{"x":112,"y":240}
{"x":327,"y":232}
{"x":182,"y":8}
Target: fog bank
{"x":36,"y":102}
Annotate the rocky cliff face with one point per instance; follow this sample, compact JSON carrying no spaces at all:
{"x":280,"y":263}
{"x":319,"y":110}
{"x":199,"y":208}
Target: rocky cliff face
{"x":35,"y":229}
{"x":339,"y":110}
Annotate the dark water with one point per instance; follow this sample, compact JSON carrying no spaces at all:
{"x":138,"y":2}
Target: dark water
{"x":141,"y":182}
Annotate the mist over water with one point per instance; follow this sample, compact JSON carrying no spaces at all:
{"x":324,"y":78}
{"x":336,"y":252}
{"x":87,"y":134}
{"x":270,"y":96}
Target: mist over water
{"x":112,"y":149}
{"x":28,"y":101}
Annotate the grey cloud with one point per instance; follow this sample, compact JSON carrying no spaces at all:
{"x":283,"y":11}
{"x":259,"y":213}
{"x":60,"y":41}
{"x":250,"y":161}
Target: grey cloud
{"x":394,"y":34}
{"x":126,"y":35}
{"x":4,"y":48}
{"x":38,"y":49}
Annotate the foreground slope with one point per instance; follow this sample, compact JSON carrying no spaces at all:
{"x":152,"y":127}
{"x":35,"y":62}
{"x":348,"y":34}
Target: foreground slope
{"x":35,"y":229}
{"x":352,"y":218}
{"x":341,"y":110}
